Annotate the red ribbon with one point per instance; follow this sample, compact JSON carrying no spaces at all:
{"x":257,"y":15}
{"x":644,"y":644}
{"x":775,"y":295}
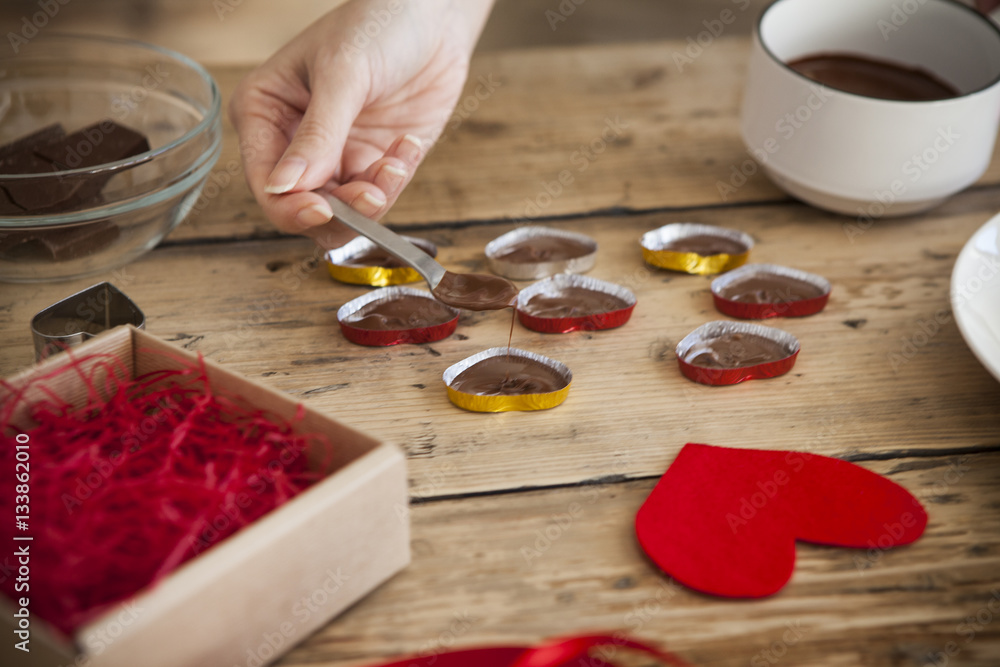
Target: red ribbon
{"x":567,"y":652}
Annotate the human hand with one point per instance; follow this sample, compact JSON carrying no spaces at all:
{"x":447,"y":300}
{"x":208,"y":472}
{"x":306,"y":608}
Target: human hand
{"x":350,"y":106}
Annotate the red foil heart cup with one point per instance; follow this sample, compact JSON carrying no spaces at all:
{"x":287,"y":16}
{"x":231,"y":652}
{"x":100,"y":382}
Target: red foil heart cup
{"x":529,"y":253}
{"x":567,"y":302}
{"x":695,"y":248}
{"x":396,"y":315}
{"x":724,"y":353}
{"x":361,"y":262}
{"x":760,"y":291}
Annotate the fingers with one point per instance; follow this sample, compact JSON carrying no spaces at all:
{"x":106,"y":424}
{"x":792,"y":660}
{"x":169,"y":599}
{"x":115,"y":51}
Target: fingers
{"x":314,"y":155}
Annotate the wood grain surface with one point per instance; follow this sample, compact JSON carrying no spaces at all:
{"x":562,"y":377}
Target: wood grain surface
{"x":884,"y":379}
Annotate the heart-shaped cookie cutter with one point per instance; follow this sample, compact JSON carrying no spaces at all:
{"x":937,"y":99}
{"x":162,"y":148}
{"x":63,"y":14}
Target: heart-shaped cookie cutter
{"x":82,"y":316}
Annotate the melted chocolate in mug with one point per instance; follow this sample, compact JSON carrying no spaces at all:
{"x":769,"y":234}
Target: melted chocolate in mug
{"x":508,"y":376}
{"x":475,"y":291}
{"x":872,"y":77}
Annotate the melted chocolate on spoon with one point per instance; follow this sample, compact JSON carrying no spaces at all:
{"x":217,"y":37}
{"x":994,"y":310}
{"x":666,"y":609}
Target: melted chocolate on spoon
{"x":475,"y":291}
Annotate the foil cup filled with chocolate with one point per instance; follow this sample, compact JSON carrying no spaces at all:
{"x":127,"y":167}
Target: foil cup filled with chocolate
{"x":361,"y":262}
{"x":505,"y":379}
{"x":568,"y":302}
{"x":696,"y":248}
{"x":759,"y":291}
{"x":529,"y":253}
{"x":395,"y":315}
{"x":723,"y":352}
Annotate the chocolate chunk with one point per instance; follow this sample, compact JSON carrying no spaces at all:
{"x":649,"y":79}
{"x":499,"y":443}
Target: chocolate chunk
{"x":28,"y":143}
{"x":58,"y":245}
{"x":49,"y":150}
{"x":19,"y":157}
{"x":45,"y":194}
{"x":7,"y":206}
{"x":97,"y":144}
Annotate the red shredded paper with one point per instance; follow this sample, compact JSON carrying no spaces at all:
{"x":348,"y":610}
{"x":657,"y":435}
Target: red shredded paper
{"x":147,"y":474}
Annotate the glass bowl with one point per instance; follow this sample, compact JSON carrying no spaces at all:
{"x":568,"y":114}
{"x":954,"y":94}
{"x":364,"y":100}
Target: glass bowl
{"x":81,"y":81}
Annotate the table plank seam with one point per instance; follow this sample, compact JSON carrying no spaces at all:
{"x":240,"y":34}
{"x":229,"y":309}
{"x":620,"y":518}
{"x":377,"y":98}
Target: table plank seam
{"x":613,"y":480}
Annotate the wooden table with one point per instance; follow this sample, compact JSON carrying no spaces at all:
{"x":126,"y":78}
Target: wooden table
{"x":869,"y":386}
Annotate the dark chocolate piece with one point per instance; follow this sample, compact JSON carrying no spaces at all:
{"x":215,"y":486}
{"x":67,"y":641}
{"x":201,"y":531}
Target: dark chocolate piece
{"x":49,"y":150}
{"x":736,"y":350}
{"x":572,"y":302}
{"x":19,"y":157}
{"x":28,"y":143}
{"x":400,"y":313}
{"x":58,"y":245}
{"x":46,"y":194}
{"x":539,"y":248}
{"x":508,"y":376}
{"x":98,"y":144}
{"x":872,"y":77}
{"x":770,"y":289}
{"x":706,"y":245}
{"x":7,"y":205}
{"x":475,"y":291}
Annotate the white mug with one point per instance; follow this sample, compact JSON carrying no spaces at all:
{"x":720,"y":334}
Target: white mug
{"x":863,"y":156}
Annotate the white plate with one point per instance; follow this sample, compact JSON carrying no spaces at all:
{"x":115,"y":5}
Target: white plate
{"x":975,"y":294}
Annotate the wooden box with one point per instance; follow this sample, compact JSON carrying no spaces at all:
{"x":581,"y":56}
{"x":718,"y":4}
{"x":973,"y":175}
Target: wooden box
{"x":253,"y":596}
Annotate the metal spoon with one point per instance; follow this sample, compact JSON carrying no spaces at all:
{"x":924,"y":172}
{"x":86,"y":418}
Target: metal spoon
{"x":472,"y":291}
{"x":388,"y":240}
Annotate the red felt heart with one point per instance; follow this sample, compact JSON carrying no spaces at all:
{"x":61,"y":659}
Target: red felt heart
{"x":724,"y":521}
{"x":567,"y":652}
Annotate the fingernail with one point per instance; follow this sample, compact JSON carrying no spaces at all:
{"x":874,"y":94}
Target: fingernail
{"x":285,"y":176}
{"x":315,"y":215}
{"x":391,"y":176}
{"x":367,"y":204}
{"x":416,"y":148}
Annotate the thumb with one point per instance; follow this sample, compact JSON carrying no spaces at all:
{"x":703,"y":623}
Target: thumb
{"x":313,"y":156}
